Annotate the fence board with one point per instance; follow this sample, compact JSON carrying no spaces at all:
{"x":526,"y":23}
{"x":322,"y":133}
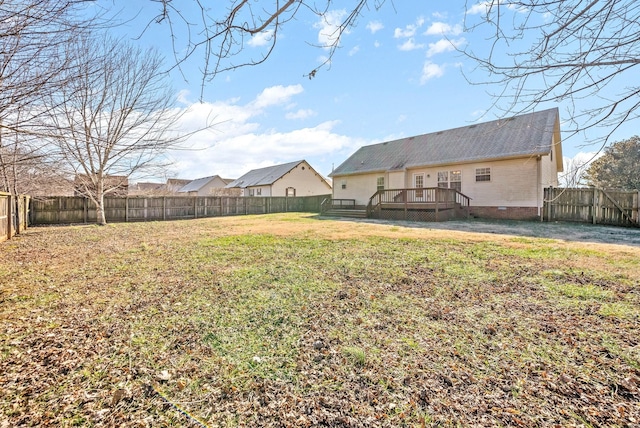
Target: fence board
{"x":591,"y":205}
{"x":72,"y":209}
{"x":14,"y":215}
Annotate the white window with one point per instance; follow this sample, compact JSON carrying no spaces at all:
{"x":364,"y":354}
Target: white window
{"x":258,"y":192}
{"x":450,"y":180}
{"x":343,"y":184}
{"x":250,"y":192}
{"x":483,"y":174}
{"x":291,"y":191}
{"x":380,"y":183}
{"x":455,"y":180}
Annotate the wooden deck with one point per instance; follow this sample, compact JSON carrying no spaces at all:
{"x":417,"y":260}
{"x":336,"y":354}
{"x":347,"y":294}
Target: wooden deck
{"x":429,"y":206}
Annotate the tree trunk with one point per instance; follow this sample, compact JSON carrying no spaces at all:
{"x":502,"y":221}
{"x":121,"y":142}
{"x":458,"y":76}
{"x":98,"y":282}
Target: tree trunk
{"x":100,"y":216}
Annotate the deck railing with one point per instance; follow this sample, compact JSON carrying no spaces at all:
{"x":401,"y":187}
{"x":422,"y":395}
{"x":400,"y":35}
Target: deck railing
{"x":415,"y":198}
{"x":339,"y":204}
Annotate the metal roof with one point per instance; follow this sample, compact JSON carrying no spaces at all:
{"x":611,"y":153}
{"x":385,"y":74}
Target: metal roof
{"x":524,"y":135}
{"x":263,"y":176}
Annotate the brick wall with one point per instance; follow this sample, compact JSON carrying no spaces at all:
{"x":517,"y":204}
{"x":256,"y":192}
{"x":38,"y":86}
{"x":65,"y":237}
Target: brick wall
{"x":505,"y":213}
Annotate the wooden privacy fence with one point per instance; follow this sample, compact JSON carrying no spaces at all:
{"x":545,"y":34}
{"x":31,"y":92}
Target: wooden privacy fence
{"x":67,"y":210}
{"x":591,"y":205}
{"x":14,"y":214}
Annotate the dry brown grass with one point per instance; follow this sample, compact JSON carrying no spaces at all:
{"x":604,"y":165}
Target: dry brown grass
{"x":286,"y":320}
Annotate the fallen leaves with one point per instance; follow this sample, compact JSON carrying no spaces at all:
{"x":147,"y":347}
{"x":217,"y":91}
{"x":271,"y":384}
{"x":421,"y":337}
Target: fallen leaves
{"x":273,"y":330}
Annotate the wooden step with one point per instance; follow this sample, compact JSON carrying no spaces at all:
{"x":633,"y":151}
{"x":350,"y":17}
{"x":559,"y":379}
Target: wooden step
{"x":351,"y":213}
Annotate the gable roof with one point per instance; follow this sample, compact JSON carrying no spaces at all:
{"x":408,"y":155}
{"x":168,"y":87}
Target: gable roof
{"x":199,"y":183}
{"x":524,"y":135}
{"x":264,"y":176}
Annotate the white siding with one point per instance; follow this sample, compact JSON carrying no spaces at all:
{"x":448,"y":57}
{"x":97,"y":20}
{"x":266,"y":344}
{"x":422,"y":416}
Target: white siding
{"x":514,"y":182}
{"x":264,"y":191}
{"x":304,"y":179}
{"x":211,"y":187}
{"x":396,"y":180}
{"x":359,"y":187}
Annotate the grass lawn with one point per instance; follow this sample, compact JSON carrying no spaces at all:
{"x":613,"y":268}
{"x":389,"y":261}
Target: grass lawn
{"x":287,"y":320}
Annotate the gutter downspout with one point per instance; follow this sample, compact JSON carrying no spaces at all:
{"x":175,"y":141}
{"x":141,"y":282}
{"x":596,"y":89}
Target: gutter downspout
{"x":539,"y":195}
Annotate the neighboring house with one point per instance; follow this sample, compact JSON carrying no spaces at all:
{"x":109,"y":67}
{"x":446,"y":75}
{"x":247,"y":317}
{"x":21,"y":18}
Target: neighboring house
{"x":289,"y":179}
{"x":503,"y":165}
{"x":209,"y":186}
{"x":174,"y":184}
{"x":114,"y":185}
{"x":146,"y":189}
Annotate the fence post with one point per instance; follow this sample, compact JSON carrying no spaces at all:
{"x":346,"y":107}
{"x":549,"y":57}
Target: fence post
{"x":9,"y":217}
{"x":195,"y":207}
{"x":164,"y":208}
{"x":595,"y":205}
{"x":17,"y":219}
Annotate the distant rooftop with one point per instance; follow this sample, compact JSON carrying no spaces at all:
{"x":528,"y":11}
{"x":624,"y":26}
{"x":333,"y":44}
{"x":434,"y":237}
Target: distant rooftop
{"x":264,"y":176}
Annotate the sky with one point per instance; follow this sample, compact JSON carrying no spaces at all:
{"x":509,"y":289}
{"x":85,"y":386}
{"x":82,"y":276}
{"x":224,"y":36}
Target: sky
{"x":396,"y":74}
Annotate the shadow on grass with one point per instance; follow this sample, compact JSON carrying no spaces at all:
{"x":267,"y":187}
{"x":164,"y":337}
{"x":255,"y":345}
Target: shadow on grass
{"x":572,"y":232}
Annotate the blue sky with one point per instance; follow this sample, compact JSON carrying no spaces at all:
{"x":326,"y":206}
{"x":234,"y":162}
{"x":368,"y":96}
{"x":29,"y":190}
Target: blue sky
{"x":396,"y":74}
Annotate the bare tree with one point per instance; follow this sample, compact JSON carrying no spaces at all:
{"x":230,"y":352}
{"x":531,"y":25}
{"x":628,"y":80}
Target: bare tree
{"x":115,"y":118}
{"x":574,"y":173}
{"x":33,"y":36}
{"x":580,"y":52}
{"x":219,"y":34}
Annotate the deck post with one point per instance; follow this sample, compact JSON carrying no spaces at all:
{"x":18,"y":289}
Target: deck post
{"x":405,"y":196}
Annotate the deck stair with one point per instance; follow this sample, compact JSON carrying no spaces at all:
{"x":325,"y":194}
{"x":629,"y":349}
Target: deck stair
{"x":342,"y":208}
{"x":346,"y":212}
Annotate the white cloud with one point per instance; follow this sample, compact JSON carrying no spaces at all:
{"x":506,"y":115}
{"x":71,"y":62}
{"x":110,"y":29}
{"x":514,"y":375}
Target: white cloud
{"x":517,"y":8}
{"x":444,"y":45}
{"x":443,"y":29}
{"x":329,"y":27}
{"x":376,"y":44}
{"x":481,"y":8}
{"x":354,"y":50}
{"x":575,"y":167}
{"x":410,"y":45}
{"x":261,"y":39}
{"x":276,"y":95}
{"x":237,"y":142}
{"x":408,"y":31}
{"x":183,"y":97}
{"x":374,"y":26}
{"x":300,"y":114}
{"x":431,"y":71}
